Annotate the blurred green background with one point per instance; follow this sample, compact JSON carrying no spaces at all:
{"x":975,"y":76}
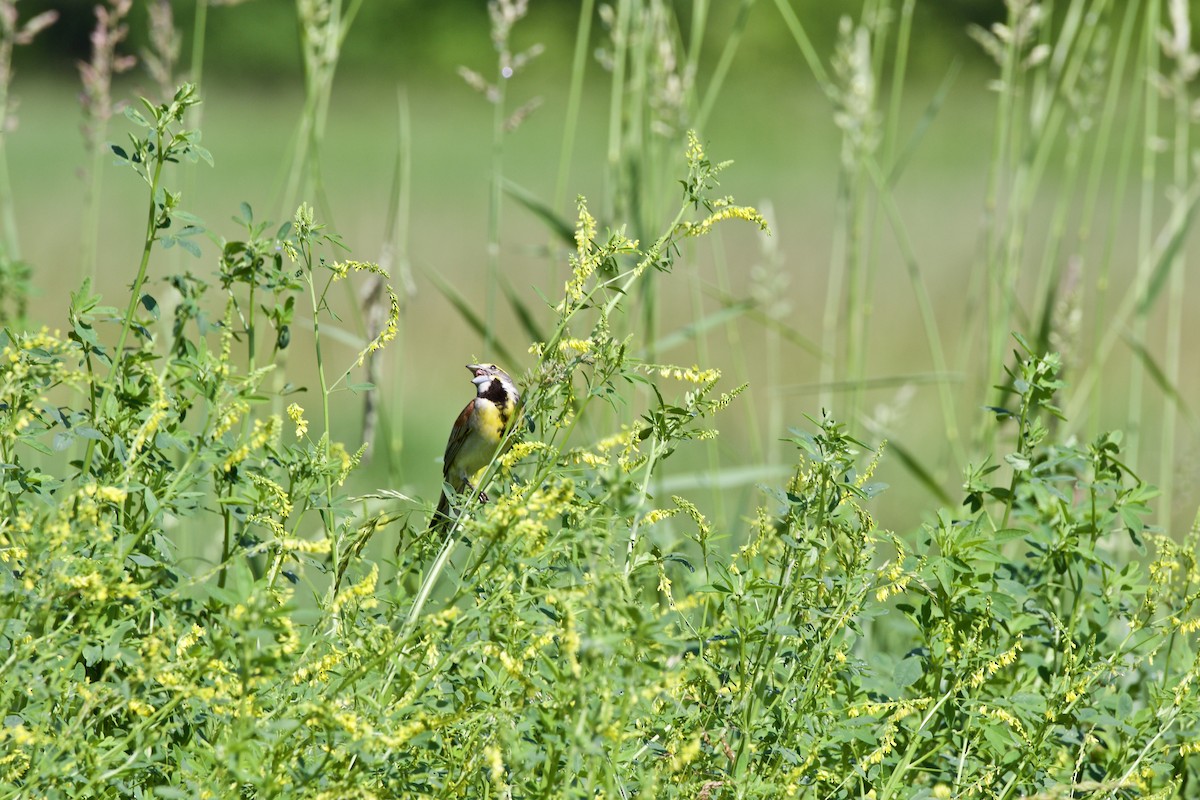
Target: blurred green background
{"x":770,"y":118}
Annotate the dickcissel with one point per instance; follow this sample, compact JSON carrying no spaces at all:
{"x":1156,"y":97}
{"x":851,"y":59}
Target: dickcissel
{"x":477,"y":433}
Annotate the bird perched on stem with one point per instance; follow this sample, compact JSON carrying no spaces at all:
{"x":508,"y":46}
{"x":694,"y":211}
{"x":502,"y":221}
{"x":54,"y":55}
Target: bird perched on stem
{"x":477,"y":434}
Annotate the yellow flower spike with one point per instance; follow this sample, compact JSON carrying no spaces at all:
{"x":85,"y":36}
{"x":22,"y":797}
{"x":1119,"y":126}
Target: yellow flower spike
{"x":746,"y":213}
{"x":282,"y":503}
{"x":521,"y":450}
{"x":589,"y":459}
{"x":391,"y":328}
{"x":583,"y":262}
{"x":296,"y":414}
{"x":228,"y":417}
{"x":581,"y":346}
{"x":695,"y":150}
{"x":306,"y":546}
{"x":658,"y":515}
{"x":363,"y":592}
{"x":871,"y":467}
{"x":495,"y":762}
{"x":188,"y":640}
{"x":109,"y":494}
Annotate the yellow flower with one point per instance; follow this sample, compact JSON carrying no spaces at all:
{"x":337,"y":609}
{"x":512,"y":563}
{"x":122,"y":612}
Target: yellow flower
{"x":363,"y":591}
{"x":495,"y":764}
{"x":187,"y":640}
{"x":109,"y":493}
{"x":720,"y":215}
{"x":296,"y":414}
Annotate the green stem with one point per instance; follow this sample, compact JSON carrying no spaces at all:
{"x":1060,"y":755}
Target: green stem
{"x":495,"y":200}
{"x":136,"y":292}
{"x":578,"y":67}
{"x":317,"y":304}
{"x":1145,"y":227}
{"x":226,"y":542}
{"x":199,"y":26}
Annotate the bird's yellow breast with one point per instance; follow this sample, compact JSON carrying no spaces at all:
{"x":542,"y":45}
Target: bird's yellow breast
{"x":489,"y":421}
{"x":488,"y":425}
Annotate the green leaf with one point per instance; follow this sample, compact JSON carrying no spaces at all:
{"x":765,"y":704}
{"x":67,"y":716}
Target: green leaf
{"x":1018,"y":461}
{"x":37,"y":445}
{"x":151,"y":305}
{"x":202,"y":153}
{"x":189,"y":246}
{"x":908,"y":672}
{"x":134,"y":116}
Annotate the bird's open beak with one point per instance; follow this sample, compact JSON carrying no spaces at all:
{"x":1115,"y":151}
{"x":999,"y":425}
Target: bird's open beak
{"x":473,"y":367}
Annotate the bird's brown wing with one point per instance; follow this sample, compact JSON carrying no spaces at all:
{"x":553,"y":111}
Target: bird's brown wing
{"x":458,"y":435}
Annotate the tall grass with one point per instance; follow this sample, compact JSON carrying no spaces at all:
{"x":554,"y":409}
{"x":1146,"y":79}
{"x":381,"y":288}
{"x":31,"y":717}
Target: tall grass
{"x":630,"y":614}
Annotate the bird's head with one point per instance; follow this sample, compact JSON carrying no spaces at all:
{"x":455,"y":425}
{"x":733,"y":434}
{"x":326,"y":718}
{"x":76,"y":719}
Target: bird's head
{"x":485,"y":377}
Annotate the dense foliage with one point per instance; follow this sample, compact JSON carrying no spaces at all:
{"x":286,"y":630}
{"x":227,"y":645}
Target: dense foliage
{"x":204,"y":594}
{"x":578,"y":636}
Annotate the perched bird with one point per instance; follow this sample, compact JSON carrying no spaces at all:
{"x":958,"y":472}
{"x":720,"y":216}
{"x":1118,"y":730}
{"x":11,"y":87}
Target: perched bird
{"x":477,"y":433}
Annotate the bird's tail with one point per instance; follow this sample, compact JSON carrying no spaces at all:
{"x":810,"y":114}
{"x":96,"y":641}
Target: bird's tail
{"x":440,"y":520}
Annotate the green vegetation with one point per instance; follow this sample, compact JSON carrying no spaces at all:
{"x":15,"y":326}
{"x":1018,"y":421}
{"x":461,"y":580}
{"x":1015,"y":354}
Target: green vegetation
{"x":203,"y":593}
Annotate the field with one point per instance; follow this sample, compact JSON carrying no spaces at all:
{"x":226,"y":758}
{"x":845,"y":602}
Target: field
{"x":858,"y":454}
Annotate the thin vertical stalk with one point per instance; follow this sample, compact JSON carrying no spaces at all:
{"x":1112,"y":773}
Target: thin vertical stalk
{"x":711,"y":449}
{"x":199,"y":28}
{"x":928,"y":317}
{"x":135,"y":294}
{"x":721,"y":70}
{"x":899,"y":70}
{"x":1100,"y":159}
{"x":578,"y":69}
{"x":397,"y":262}
{"x":1145,"y":225}
{"x":616,"y":105}
{"x":806,"y":46}
{"x":1072,"y":49}
{"x":327,"y":517}
{"x":1175,"y":294}
{"x":322,"y":49}
{"x":995,"y":334}
{"x":833,"y":292}
{"x":495,"y":201}
{"x":859,"y":269}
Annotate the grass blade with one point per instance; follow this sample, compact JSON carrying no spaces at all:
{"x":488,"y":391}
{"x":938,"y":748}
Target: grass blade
{"x":473,"y":320}
{"x":1166,"y":259}
{"x":693,"y":329}
{"x":923,"y":124}
{"x":557,"y":225}
{"x":918,"y":471}
{"x":1160,"y":378}
{"x":522,"y":312}
{"x":785,"y":332}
